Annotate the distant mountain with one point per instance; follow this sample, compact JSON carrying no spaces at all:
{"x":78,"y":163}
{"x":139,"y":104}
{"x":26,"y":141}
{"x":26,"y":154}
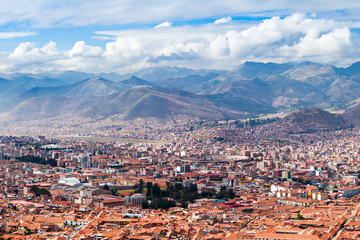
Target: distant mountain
{"x":290,"y":93}
{"x":96,"y":86}
{"x":137,"y":102}
{"x":14,"y":84}
{"x":135,"y":81}
{"x":352,"y":70}
{"x":8,"y":89}
{"x":46,"y":107}
{"x":315,"y":74}
{"x":29,"y":81}
{"x":252,"y":87}
{"x":93,"y":86}
{"x":114,"y":76}
{"x":312,"y":120}
{"x":258,"y":96}
{"x":244,"y":95}
{"x":250,"y":70}
{"x":69,"y":77}
{"x":158,"y":73}
{"x":145,"y":102}
{"x":191,"y":83}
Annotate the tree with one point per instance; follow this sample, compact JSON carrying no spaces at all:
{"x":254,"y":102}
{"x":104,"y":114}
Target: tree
{"x":27,"y":231}
{"x":299,"y":217}
{"x":145,"y":204}
{"x":149,"y":187}
{"x":183,"y":204}
{"x":156,"y":192}
{"x":231,"y":194}
{"x":193,"y":188}
{"x":225,"y":193}
{"x":141,"y":186}
{"x":37,"y":159}
{"x":162,"y":203}
{"x":39,"y":191}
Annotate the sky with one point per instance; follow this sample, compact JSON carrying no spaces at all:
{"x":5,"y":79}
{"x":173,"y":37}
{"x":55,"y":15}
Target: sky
{"x":125,"y":36}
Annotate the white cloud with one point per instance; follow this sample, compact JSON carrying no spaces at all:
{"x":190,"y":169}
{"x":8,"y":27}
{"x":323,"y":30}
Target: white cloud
{"x":334,"y":42}
{"x":219,"y":47}
{"x":164,"y":24}
{"x":28,"y":49}
{"x":223,"y":20}
{"x":7,"y":35}
{"x":294,"y":38}
{"x":52,"y":13}
{"x":81,"y":49}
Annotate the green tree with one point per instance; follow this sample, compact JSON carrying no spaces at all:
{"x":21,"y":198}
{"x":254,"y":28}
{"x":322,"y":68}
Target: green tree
{"x":149,"y":187}
{"x":141,"y":186}
{"x":145,"y":204}
{"x":225,"y":193}
{"x":183,"y":204}
{"x":113,"y":192}
{"x":162,"y":203}
{"x":37,"y":159}
{"x":299,"y":217}
{"x":231,"y":194}
{"x":39,"y":191}
{"x":155,"y":190}
{"x":27,"y":231}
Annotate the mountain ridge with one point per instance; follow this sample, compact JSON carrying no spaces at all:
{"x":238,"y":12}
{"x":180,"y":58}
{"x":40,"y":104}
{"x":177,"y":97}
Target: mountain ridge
{"x":251,"y":88}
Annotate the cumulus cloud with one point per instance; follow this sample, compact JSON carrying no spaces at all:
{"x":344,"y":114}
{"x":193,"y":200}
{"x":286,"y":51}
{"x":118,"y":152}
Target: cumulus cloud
{"x":28,"y":49}
{"x":81,"y":49}
{"x":298,"y":37}
{"x":164,"y":24}
{"x":336,"y":41}
{"x":219,"y":47}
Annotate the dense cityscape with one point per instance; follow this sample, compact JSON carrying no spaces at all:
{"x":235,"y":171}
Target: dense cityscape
{"x":213,"y":181}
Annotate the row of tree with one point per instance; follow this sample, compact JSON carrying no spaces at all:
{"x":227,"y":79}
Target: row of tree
{"x":37,"y":159}
{"x":159,"y":203}
{"x":40,"y":191}
{"x":225,"y":193}
{"x":255,"y":122}
{"x":176,"y":191}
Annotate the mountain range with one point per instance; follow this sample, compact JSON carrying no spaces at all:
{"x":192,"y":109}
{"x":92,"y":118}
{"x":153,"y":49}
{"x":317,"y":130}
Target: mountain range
{"x":168,"y":93}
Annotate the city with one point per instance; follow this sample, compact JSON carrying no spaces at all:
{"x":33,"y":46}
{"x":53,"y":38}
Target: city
{"x":197,"y":187}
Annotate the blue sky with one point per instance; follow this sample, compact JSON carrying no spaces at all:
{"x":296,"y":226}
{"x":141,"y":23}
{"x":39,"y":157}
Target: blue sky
{"x":126,"y":35}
